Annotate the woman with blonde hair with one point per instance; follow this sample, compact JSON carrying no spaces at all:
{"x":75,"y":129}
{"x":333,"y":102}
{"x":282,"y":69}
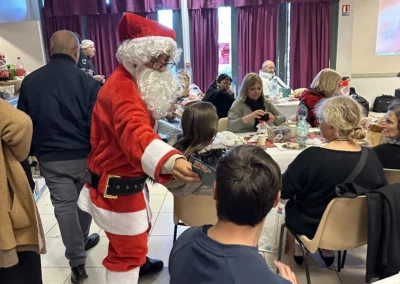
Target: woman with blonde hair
{"x":324,"y":85}
{"x":251,"y":107}
{"x":310,"y":180}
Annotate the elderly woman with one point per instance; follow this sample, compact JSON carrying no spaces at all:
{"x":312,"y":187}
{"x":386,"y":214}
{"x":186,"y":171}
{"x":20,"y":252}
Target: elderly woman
{"x":389,"y":153}
{"x":21,"y":235}
{"x":251,"y":107}
{"x":324,"y":85}
{"x":312,"y":177}
{"x":85,"y":59}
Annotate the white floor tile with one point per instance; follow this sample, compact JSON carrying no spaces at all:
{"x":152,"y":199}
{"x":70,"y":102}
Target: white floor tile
{"x":55,"y":256}
{"x":160,"y":248}
{"x":44,"y":205}
{"x":168,"y":205}
{"x":317,"y":275}
{"x":356,"y":257}
{"x":55,"y":231}
{"x":159,"y":278}
{"x":102,"y":234}
{"x":48,"y":222}
{"x":156,"y":201}
{"x":157,"y":189}
{"x":55,"y":275}
{"x":313,"y":259}
{"x":164,"y":225}
{"x":96,"y":276}
{"x":97,"y":254}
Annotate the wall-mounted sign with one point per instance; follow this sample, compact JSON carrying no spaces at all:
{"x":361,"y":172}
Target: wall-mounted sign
{"x":345,"y":10}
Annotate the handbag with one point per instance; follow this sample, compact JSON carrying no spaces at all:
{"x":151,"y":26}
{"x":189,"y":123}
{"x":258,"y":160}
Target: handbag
{"x":363,"y":102}
{"x":382,"y":103}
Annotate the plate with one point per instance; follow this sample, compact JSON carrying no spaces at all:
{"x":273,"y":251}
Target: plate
{"x":301,"y":147}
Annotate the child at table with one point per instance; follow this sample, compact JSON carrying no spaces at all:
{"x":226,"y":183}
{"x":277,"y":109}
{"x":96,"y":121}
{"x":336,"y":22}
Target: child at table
{"x":199,"y":124}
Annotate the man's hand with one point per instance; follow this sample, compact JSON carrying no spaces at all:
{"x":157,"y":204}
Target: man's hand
{"x":286,"y":272}
{"x":99,"y":78}
{"x":183,"y":172}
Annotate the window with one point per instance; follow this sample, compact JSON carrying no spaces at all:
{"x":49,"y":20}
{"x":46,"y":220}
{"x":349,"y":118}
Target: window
{"x":225,"y":40}
{"x":165,"y":18}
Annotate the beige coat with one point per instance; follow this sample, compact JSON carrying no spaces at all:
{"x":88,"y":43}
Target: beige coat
{"x":19,"y":220}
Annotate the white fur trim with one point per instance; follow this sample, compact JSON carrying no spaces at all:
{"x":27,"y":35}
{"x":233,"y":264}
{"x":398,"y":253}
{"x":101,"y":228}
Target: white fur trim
{"x":153,"y":154}
{"x":129,"y":277}
{"x":156,"y":126}
{"x":126,"y":224}
{"x":157,"y":39}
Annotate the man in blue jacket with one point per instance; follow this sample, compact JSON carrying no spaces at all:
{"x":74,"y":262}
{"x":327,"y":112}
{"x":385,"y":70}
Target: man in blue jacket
{"x":59,"y":98}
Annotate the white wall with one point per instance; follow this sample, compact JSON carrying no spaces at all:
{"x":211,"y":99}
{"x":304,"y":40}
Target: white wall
{"x":371,"y":75}
{"x":23,"y":39}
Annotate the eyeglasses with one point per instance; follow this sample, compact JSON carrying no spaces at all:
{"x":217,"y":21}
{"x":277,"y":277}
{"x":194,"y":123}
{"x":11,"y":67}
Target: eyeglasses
{"x":271,"y":67}
{"x":319,"y":120}
{"x":169,"y":65}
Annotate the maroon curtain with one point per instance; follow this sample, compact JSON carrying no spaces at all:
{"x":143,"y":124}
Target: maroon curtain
{"x":143,"y":6}
{"x":204,"y":46}
{"x":213,"y":4}
{"x":74,"y":7}
{"x":103,"y":31}
{"x":309,"y":41}
{"x":257,"y":37}
{"x":53,"y":24}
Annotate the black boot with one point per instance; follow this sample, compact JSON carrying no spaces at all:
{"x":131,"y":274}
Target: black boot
{"x":151,"y":266}
{"x":78,"y":274}
{"x":92,"y":241}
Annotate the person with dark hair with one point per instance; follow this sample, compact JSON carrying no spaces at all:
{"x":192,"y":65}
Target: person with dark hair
{"x":246,"y":188}
{"x":220,"y":95}
{"x":389,"y":153}
{"x":200,"y":125}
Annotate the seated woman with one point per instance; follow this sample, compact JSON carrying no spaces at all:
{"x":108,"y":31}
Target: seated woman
{"x":199,"y":125}
{"x":220,"y":95}
{"x":312,"y":177}
{"x":389,"y":153}
{"x":324,"y":85}
{"x":251,"y":107}
{"x":192,"y":92}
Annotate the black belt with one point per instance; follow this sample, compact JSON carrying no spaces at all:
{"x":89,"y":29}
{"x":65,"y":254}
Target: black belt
{"x":116,"y":185}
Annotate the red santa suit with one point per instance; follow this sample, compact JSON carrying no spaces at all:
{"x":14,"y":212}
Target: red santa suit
{"x":124,"y":144}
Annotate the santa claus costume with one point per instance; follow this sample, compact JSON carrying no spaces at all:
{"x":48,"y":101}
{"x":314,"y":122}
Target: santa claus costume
{"x":126,"y":150}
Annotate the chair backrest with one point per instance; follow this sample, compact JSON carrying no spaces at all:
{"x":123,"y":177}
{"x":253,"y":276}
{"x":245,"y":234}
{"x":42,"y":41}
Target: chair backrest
{"x":195,"y":210}
{"x":222,"y":124}
{"x":392,"y":176}
{"x":343,"y":226}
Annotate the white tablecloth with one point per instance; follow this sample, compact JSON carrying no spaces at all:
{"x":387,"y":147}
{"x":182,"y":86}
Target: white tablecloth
{"x":288,"y":108}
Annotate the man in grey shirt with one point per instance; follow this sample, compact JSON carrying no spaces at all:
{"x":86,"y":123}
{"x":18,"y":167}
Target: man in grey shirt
{"x":246,"y":188}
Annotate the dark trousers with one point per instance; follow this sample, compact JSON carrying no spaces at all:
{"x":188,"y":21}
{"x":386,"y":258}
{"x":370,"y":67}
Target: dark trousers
{"x":27,"y":271}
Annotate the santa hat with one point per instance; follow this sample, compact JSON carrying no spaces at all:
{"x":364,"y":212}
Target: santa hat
{"x":143,"y":39}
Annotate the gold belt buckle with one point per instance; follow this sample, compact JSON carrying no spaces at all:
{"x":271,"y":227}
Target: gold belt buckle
{"x":106,"y":195}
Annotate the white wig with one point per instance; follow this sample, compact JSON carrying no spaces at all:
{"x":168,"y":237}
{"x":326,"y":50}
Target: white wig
{"x":86,"y":43}
{"x":139,"y":51}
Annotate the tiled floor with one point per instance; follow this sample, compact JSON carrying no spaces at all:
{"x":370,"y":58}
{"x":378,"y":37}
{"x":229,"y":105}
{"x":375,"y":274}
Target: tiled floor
{"x":56,"y":269}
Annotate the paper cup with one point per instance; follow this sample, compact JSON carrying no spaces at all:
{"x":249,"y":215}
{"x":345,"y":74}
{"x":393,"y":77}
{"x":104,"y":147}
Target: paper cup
{"x":262,"y":138}
{"x":292,"y":131}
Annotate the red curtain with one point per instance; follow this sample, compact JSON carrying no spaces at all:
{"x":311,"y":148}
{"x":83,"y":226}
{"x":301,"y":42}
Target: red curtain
{"x":309,"y":41}
{"x":257,"y":37}
{"x":204,"y":46}
{"x":102,"y":30}
{"x":53,"y":24}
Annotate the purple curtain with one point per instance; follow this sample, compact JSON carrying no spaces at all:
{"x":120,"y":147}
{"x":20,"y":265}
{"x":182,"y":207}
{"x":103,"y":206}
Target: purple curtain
{"x":309,"y":41}
{"x":53,"y":24}
{"x":103,"y":31}
{"x":204,"y":46}
{"x":143,"y":6}
{"x":213,"y":4}
{"x":257,"y":37}
{"x":74,"y":7}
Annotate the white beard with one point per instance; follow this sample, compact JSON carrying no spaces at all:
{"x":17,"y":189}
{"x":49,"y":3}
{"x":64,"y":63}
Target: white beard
{"x":159,"y":90}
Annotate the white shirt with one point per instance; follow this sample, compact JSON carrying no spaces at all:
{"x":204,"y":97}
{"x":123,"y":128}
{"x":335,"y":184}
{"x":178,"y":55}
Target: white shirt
{"x":267,"y":82}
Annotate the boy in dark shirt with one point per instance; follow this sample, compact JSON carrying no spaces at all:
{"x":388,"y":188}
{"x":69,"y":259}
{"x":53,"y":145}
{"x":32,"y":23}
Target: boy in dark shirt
{"x":246,"y":188}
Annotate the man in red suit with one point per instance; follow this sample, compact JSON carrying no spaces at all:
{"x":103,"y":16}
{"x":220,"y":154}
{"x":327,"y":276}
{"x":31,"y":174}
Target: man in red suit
{"x":126,"y":150}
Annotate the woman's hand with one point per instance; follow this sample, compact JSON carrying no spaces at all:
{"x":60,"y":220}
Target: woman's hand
{"x":254,"y":115}
{"x":271,"y":118}
{"x":286,"y":272}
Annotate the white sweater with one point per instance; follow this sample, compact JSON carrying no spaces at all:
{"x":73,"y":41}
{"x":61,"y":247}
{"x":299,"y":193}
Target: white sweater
{"x":267,"y":82}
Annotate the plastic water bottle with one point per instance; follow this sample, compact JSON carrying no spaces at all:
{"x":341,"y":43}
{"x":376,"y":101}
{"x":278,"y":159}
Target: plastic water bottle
{"x":301,"y":125}
{"x":19,"y":62}
{"x":274,"y":90}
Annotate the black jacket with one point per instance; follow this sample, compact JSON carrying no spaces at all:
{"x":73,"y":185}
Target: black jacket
{"x":383,"y":257}
{"x":59,"y":98}
{"x":85,"y":62}
{"x":222,"y":101}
